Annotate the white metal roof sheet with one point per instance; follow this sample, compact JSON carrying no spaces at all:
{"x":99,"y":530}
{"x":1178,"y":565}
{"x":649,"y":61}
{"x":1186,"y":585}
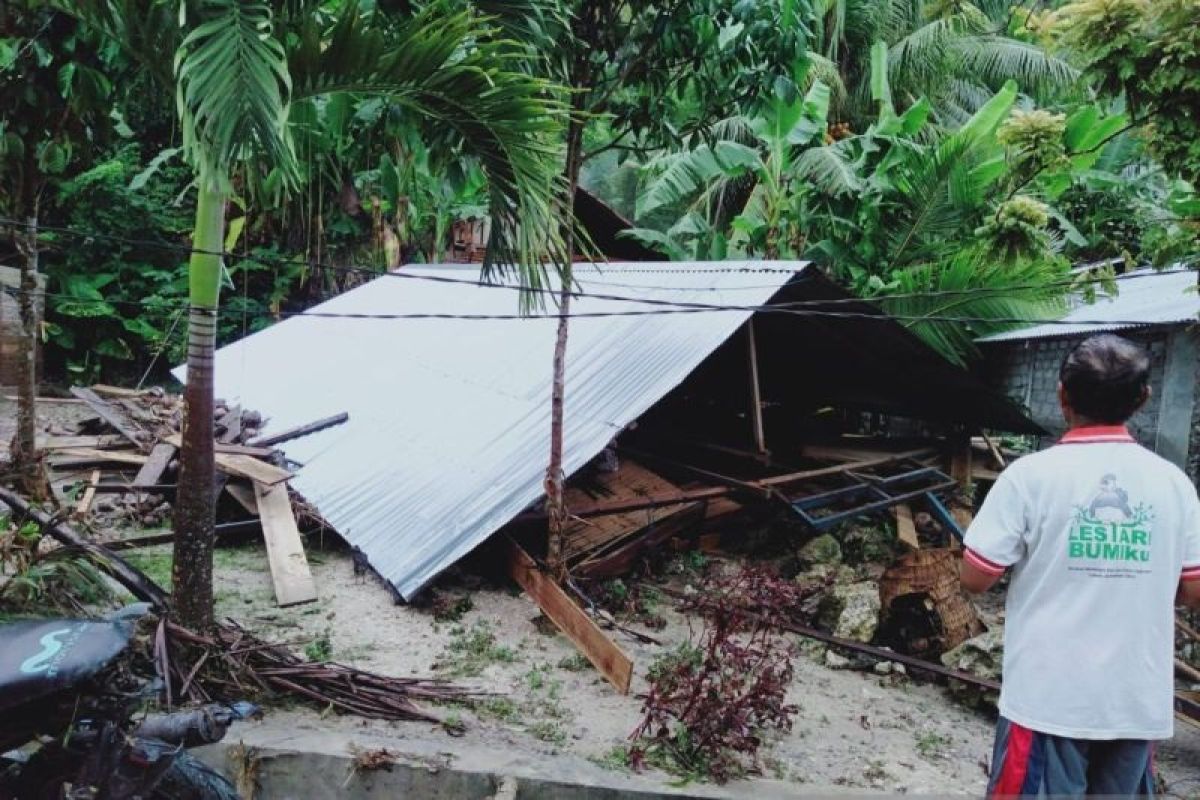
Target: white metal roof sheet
{"x":449,"y":430}
{"x":1145,"y":297}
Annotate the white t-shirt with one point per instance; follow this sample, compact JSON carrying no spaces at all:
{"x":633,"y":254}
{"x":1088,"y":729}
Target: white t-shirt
{"x":1099,"y":531}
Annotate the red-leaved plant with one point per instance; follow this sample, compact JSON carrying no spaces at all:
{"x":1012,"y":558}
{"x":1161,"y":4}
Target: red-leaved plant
{"x":711,"y":701}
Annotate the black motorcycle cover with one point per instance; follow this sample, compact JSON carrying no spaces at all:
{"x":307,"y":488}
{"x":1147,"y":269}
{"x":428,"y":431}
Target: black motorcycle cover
{"x":39,"y":657}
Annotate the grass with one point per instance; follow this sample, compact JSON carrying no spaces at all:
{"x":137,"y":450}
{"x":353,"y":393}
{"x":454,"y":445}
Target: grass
{"x":575,"y":663}
{"x":155,"y":562}
{"x":548,"y":731}
{"x":499,"y":708}
{"x":932,"y":745}
{"x":472,"y":650}
{"x":616,"y":758}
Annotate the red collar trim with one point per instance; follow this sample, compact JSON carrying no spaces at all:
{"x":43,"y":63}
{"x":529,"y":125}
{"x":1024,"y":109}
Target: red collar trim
{"x":1096,"y":433}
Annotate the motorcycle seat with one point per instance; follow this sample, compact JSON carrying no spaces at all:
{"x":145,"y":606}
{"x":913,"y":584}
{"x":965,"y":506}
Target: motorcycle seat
{"x":40,"y":657}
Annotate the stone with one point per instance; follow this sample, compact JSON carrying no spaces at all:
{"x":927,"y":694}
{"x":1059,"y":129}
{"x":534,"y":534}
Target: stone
{"x":883,"y":667}
{"x":851,"y":611}
{"x":836,"y":660}
{"x":822,"y":550}
{"x":982,"y":655}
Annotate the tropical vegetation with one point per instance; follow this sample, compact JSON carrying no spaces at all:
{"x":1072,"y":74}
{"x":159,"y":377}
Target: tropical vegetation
{"x":185,"y":173}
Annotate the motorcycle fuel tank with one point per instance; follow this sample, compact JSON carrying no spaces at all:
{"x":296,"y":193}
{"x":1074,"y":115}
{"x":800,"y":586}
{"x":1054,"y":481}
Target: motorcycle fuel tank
{"x":39,"y":657}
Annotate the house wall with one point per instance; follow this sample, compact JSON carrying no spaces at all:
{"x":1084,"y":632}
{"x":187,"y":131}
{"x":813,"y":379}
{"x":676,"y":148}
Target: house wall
{"x":1027,"y":372}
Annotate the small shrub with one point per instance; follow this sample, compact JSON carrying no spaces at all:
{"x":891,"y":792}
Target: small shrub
{"x":319,"y":649}
{"x":451,"y":608}
{"x":932,"y":745}
{"x":710,"y":702}
{"x":575,"y":663}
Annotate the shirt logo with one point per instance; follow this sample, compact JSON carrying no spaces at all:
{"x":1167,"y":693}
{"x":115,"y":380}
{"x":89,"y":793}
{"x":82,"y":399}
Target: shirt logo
{"x":1109,"y":528}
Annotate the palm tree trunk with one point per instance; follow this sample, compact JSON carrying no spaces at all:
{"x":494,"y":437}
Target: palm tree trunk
{"x":191,"y":575}
{"x":24,"y":449}
{"x":556,"y":507}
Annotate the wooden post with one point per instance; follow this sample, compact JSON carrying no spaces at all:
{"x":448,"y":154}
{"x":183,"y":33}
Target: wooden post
{"x":760,"y":441}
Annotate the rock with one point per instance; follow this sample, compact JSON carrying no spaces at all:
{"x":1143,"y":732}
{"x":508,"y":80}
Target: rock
{"x":982,"y":655}
{"x":883,"y":667}
{"x":851,"y":611}
{"x":836,"y":660}
{"x":822,"y":550}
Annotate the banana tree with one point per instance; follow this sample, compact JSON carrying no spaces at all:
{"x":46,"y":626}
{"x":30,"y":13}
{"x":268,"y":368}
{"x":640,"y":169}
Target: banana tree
{"x":238,"y":64}
{"x":746,"y":180}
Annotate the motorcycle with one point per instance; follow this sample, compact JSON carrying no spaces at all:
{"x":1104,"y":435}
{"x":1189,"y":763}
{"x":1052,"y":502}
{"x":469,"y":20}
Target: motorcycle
{"x":71,"y":698}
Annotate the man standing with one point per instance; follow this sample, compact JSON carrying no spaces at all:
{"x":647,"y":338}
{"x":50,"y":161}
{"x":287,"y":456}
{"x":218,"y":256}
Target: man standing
{"x":1103,"y":539}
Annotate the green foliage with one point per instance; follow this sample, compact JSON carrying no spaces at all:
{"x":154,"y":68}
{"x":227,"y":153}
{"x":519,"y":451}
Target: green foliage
{"x":319,"y":649}
{"x":34,"y":581}
{"x":1149,"y":52}
{"x":471,"y":650}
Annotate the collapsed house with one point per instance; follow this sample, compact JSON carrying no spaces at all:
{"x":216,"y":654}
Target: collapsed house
{"x":1159,"y":309}
{"x":449,"y":413}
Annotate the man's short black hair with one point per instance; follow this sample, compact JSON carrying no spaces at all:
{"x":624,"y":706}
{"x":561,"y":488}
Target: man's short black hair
{"x":1105,"y":378}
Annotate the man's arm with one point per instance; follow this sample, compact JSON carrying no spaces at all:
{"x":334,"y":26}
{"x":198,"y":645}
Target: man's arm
{"x":1189,"y":588}
{"x":975,"y":580}
{"x":977,"y":574}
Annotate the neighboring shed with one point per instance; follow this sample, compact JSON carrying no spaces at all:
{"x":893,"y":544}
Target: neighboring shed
{"x":1156,"y":308}
{"x":449,"y":418}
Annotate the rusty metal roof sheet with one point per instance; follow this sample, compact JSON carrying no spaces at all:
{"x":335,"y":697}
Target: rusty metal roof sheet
{"x":449,"y":429}
{"x":1145,"y":297}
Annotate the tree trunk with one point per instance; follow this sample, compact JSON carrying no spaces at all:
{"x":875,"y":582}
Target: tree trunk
{"x":556,"y":507}
{"x":24,"y":445}
{"x":191,"y":575}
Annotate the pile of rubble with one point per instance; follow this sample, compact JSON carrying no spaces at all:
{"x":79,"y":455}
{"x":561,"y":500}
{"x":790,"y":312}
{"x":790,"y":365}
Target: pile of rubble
{"x":118,"y":467}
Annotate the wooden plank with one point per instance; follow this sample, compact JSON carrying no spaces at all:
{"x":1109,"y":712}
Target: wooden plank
{"x":290,"y":574}
{"x":249,"y":467}
{"x":110,"y":414}
{"x":906,"y":529}
{"x":115,"y":391}
{"x":582,"y":630}
{"x":103,"y":456}
{"x":152,"y":471}
{"x":51,"y":443}
{"x":621,"y":559}
{"x":630,"y":483}
{"x":994,"y":450}
{"x":89,"y":494}
{"x":301,"y":430}
{"x":232,"y":449}
{"x":244,"y":495}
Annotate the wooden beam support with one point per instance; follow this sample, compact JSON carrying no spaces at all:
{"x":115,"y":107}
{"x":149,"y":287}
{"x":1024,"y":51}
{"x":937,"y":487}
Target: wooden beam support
{"x":89,"y":494}
{"x":249,"y":467}
{"x":582,"y":630}
{"x":290,"y":574}
{"x":756,"y":418}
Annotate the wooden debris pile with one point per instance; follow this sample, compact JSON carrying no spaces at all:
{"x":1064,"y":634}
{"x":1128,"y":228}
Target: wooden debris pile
{"x":232,"y":664}
{"x":120,"y":466}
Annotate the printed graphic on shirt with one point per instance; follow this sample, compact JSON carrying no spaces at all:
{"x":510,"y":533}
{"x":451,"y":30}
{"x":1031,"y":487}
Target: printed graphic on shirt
{"x":1108,"y":532}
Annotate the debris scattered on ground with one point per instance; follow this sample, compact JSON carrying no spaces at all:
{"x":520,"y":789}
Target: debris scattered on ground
{"x":982,"y":655}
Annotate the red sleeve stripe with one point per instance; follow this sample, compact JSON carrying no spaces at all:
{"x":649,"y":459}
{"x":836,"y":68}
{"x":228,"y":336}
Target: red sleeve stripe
{"x":982,"y":564}
{"x":1191,"y":573}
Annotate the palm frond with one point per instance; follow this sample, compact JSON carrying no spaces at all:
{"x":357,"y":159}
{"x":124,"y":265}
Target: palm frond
{"x":829,"y":170}
{"x":686,"y":174}
{"x":989,"y":292}
{"x":450,"y":67}
{"x":993,"y":59}
{"x":232,"y":86}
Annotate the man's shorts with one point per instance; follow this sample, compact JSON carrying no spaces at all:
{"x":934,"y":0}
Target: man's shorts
{"x":1026,"y":763}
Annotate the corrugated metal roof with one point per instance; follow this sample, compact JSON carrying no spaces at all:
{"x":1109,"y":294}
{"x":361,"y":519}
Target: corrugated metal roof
{"x":1150,"y":297}
{"x":449,"y":429}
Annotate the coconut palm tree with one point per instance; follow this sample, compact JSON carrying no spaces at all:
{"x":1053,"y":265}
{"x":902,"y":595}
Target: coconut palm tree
{"x":239,"y":64}
{"x":955,"y":53}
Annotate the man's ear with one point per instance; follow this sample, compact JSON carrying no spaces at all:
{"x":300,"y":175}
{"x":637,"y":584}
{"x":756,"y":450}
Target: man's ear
{"x":1146,"y":392}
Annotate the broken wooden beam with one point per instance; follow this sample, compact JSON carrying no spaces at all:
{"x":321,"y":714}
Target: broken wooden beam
{"x":229,"y":449}
{"x":604,"y":654}
{"x":620,"y":559}
{"x":906,"y":528}
{"x":89,"y":494}
{"x":81,"y":455}
{"x":290,"y":573}
{"x":300,"y":430}
{"x":249,"y":467}
{"x":244,"y":495}
{"x":156,"y":464}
